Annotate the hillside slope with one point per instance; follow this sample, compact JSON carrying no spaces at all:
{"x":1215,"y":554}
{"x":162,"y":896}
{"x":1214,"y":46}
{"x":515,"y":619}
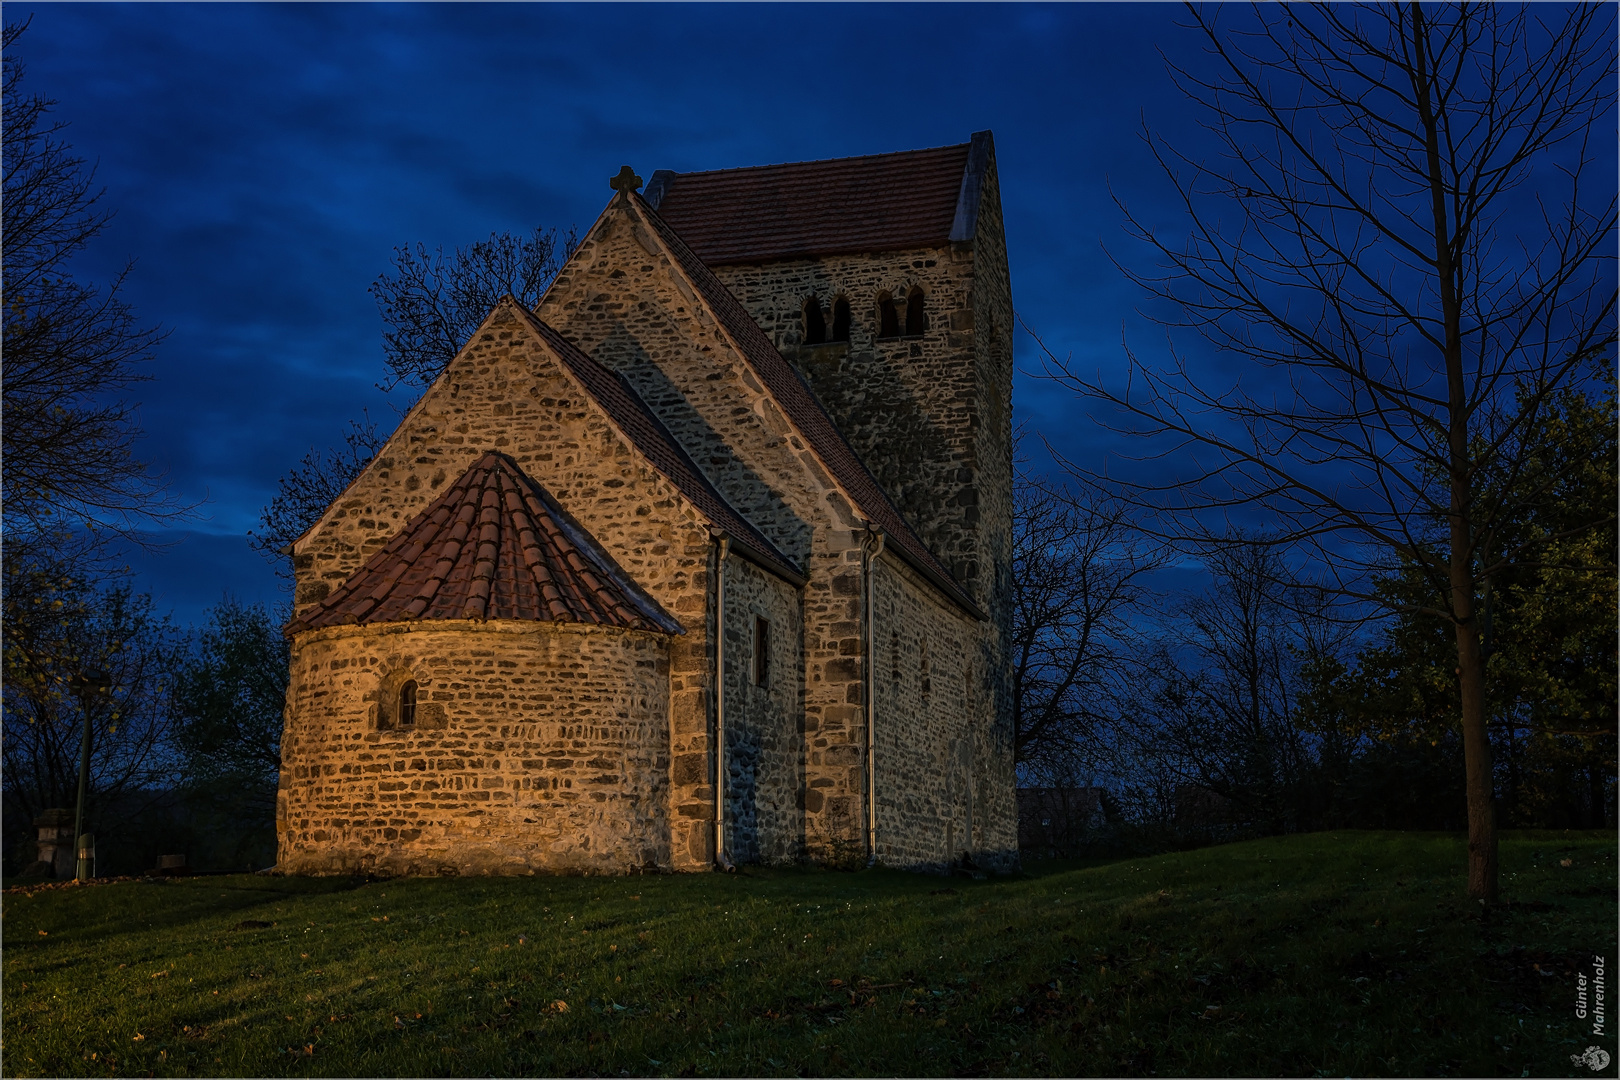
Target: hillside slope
{"x":1331,"y":953}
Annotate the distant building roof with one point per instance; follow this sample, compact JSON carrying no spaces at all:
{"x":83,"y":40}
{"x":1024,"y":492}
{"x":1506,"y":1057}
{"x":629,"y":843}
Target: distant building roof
{"x":881,"y":202}
{"x":495,"y":545}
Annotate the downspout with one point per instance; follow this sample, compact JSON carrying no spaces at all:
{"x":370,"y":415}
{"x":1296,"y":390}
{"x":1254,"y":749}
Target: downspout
{"x":871,"y":549}
{"x":724,"y":548}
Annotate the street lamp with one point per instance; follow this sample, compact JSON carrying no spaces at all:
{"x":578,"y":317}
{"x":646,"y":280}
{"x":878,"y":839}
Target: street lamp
{"x":89,"y":683}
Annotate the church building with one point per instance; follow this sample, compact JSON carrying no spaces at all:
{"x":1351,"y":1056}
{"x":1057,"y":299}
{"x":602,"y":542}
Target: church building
{"x":705,"y":560}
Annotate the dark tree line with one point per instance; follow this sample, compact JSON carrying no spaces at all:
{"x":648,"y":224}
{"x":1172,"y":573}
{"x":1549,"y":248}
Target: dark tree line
{"x":1254,"y":705}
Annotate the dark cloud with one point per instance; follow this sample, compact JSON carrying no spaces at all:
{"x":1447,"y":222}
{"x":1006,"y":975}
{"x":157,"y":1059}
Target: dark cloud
{"x":265,"y":159}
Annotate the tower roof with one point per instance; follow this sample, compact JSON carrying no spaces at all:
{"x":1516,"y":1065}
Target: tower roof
{"x":495,"y":545}
{"x":880,"y":202}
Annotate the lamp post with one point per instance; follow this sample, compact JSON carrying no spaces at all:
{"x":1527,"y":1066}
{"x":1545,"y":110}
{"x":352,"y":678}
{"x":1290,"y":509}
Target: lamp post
{"x":89,"y":683}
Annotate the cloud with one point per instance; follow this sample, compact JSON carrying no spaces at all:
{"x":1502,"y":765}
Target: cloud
{"x":264,"y":160}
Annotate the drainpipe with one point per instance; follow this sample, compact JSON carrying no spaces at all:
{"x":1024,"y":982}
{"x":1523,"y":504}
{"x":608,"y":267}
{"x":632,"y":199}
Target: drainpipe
{"x":872,"y":548}
{"x":724,"y":548}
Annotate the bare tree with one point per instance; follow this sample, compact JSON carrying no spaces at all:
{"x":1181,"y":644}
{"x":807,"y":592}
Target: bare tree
{"x":303,"y":495}
{"x":71,"y":627}
{"x":71,"y":349}
{"x":1405,"y":246}
{"x":1219,"y":714}
{"x":431,"y":304}
{"x":1079,"y":589}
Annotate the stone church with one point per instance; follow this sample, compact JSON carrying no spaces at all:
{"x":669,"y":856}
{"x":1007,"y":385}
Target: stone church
{"x":704,"y":561}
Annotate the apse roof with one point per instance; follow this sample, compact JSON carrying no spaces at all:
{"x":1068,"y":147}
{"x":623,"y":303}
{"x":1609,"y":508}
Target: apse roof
{"x":495,"y":545}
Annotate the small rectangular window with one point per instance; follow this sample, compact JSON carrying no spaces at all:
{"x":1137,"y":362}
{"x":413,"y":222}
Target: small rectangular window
{"x":762,"y":651}
{"x":407,"y":705}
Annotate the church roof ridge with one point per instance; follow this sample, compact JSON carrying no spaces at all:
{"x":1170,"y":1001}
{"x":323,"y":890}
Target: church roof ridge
{"x":790,"y":392}
{"x":641,"y":426}
{"x":495,"y":545}
{"x":847,"y":158}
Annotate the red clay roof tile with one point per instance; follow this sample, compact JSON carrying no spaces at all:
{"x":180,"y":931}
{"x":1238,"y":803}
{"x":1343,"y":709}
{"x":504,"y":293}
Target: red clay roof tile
{"x":495,"y":545}
{"x":882,"y":202}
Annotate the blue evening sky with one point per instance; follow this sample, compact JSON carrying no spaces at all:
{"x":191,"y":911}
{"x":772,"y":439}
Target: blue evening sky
{"x":263,"y":161}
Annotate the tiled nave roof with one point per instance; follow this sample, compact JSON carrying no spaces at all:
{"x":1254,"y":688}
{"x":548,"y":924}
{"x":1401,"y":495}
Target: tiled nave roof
{"x":624,"y":406}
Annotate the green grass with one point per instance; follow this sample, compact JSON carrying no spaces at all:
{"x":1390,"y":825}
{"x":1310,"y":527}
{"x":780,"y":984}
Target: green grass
{"x":1332,"y":953}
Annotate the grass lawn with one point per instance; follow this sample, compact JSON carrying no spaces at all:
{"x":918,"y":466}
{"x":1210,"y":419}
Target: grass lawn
{"x":1331,"y":954}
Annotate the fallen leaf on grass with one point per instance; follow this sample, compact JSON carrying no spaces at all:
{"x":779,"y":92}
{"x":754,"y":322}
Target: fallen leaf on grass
{"x":47,"y":933}
{"x":558,"y":1006}
{"x":139,"y":1037}
{"x":160,"y":974}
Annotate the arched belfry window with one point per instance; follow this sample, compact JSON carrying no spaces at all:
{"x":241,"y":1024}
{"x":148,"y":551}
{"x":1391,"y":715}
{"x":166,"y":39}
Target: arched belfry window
{"x":815,"y":327}
{"x":888,"y":317}
{"x":916,"y":318}
{"x":840,"y":327}
{"x":407,"y":704}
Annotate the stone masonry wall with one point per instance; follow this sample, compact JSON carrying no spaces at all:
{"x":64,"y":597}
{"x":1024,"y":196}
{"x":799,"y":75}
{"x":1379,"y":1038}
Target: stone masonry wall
{"x":936,"y":790}
{"x":624,"y":301}
{"x":505,"y":392}
{"x":764,"y":749}
{"x":931,"y":416}
{"x":796,"y":765}
{"x":908,"y":405}
{"x":538,"y":747}
{"x":993,"y":350}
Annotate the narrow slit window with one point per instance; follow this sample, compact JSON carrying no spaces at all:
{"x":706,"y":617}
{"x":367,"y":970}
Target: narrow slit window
{"x":762,"y":651}
{"x":840,"y":327}
{"x":916,"y":318}
{"x":815,"y":327}
{"x":888,"y":317}
{"x":407,"y":704}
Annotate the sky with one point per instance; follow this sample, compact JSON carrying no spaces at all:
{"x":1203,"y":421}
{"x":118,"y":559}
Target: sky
{"x":264,"y":160}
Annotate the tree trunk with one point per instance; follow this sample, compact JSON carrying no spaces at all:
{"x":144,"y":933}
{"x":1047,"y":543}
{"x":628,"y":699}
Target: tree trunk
{"x":1470,"y":657}
{"x":1476,"y":755}
{"x":1595,"y":790}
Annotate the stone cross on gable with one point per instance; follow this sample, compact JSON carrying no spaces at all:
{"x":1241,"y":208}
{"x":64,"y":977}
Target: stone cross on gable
{"x":627,"y":180}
